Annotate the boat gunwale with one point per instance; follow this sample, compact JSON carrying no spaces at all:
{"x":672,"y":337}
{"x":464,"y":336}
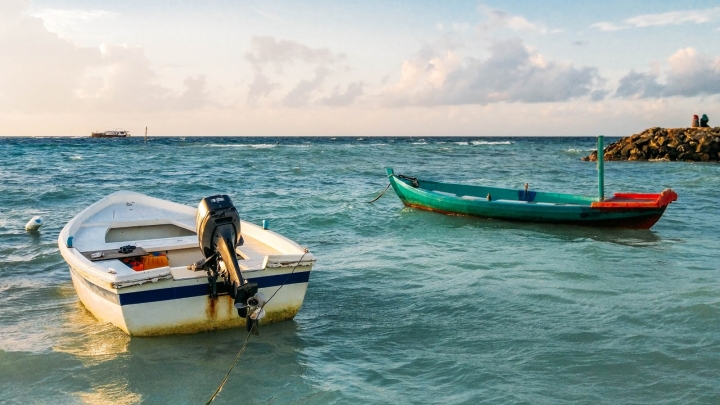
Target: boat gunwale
{"x":638,"y":214}
{"x":479,"y":198}
{"x":106,"y":274}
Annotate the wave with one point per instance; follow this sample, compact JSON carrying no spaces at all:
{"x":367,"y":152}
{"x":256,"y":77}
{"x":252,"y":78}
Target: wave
{"x":575,"y":150}
{"x":491,"y":143}
{"x":463,"y":143}
{"x":419,"y":143}
{"x":254,"y":146}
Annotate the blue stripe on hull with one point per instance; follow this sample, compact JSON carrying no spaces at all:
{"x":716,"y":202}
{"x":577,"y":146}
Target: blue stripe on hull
{"x":198,"y":290}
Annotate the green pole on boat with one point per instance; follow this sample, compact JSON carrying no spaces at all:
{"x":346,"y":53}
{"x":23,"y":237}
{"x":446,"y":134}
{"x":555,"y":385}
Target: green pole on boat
{"x":600,"y":167}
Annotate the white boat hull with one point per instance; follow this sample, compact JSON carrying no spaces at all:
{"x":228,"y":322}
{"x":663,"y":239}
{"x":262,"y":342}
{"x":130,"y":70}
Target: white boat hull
{"x":175,"y":300}
{"x":182,"y":315}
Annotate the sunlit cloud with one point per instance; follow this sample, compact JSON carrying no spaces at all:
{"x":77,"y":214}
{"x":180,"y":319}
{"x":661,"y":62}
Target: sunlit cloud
{"x":511,"y":73}
{"x":662,"y":19}
{"x":498,"y":19}
{"x":608,"y":26}
{"x":257,"y":71}
{"x":690,"y":73}
{"x":63,"y":21}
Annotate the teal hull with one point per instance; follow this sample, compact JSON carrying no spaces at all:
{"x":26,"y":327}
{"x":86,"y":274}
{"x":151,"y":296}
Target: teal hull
{"x":525,"y":206}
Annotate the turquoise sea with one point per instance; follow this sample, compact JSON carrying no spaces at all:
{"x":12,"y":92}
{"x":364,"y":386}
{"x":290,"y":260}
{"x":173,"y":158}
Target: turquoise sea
{"x":404,"y":306}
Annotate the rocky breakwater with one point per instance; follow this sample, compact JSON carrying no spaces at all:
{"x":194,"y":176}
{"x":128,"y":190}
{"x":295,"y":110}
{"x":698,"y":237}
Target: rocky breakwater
{"x":666,"y":144}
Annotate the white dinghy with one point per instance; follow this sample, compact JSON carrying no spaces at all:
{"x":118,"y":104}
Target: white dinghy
{"x":154,"y":267}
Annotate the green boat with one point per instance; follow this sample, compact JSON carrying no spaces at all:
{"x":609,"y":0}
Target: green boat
{"x":623,"y":210}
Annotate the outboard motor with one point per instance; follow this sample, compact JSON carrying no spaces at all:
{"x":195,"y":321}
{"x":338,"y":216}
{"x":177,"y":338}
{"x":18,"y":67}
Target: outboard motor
{"x":218,"y":227}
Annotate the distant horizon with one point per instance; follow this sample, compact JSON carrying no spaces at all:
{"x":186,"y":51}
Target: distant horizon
{"x":258,"y":68}
{"x":318,"y":136}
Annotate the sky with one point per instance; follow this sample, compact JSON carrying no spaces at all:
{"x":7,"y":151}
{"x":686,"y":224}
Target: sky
{"x":363,"y":68}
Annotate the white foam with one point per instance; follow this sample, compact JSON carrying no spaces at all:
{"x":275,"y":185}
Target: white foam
{"x":491,"y":143}
{"x":255,"y":146}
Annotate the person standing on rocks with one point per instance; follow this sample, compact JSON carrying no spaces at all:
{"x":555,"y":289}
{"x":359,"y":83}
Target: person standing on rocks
{"x":695,"y":121}
{"x":704,"y":121}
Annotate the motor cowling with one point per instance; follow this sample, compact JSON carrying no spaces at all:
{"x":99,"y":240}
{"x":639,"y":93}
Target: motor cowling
{"x":217,"y":218}
{"x":218,"y":227}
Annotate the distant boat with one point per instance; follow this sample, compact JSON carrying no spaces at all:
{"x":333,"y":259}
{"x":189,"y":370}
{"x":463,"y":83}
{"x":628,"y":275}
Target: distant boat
{"x":118,"y":133}
{"x":155,"y":267}
{"x":623,"y":210}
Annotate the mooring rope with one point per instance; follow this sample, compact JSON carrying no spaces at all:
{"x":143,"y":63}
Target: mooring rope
{"x":247,"y":338}
{"x":381,"y":194}
{"x":222,"y":384}
{"x":413,"y":180}
{"x":305,"y":251}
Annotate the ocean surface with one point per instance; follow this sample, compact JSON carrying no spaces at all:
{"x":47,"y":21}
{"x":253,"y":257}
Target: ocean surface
{"x":404,"y":306}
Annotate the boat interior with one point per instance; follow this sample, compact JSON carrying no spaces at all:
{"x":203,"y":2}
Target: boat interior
{"x":500,"y":194}
{"x":137,"y":237}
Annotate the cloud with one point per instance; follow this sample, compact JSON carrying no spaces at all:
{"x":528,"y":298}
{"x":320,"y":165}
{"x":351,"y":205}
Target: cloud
{"x":130,"y":83}
{"x":662,"y":19}
{"x":61,"y":21}
{"x":690,"y":73}
{"x":511,"y":73}
{"x":261,"y":86}
{"x":640,"y":84}
{"x":271,"y":52}
{"x":579,"y":43}
{"x":41,"y":72}
{"x":453,"y":27}
{"x":300,"y":95}
{"x":499,"y":19}
{"x":268,"y":50}
{"x":195,"y":95}
{"x":340,"y":98}
{"x":608,"y":26}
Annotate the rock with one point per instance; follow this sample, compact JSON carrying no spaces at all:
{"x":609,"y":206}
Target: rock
{"x":643,"y":140}
{"x":703,"y":146}
{"x":665,"y":144}
{"x":627,"y":148}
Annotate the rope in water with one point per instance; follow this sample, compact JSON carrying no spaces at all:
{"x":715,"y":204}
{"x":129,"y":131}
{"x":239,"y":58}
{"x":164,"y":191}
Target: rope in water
{"x":378,"y":197}
{"x":222,"y":384}
{"x":247,"y":338}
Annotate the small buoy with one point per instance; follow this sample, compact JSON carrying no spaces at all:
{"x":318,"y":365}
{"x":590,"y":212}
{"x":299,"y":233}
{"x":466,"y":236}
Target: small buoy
{"x":34,"y":223}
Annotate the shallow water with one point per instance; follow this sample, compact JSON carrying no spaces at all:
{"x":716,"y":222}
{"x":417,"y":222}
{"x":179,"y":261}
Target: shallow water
{"x":403,"y":306}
